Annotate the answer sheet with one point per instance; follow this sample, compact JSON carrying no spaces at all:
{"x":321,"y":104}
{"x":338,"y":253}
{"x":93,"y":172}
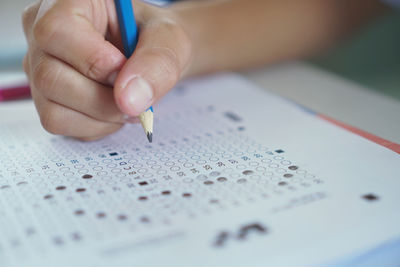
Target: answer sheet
{"x":235,"y":176}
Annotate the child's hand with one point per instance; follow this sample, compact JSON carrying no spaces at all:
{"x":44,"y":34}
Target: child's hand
{"x":75,"y":59}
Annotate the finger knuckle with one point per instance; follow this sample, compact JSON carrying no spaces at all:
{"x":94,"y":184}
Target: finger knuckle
{"x":98,"y":64}
{"x":168,"y":62}
{"x":178,"y":33}
{"x":51,"y":119}
{"x":185,"y":46}
{"x":45,"y":76}
{"x":94,"y":65}
{"x":26,"y":18}
{"x":44,"y":30}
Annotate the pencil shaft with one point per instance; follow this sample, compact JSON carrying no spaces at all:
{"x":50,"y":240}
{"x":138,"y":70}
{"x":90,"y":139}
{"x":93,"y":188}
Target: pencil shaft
{"x":129,"y":36}
{"x":127,"y":25}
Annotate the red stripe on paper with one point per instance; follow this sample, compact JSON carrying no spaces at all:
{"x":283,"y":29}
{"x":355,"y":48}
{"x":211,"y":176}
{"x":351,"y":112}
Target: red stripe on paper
{"x":376,"y":139}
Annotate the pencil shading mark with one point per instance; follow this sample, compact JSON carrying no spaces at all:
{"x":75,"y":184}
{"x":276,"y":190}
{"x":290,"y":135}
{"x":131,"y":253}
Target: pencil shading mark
{"x":79,"y":212}
{"x":370,"y":197}
{"x":232,"y":116}
{"x":222,"y":179}
{"x":241,"y":234}
{"x":61,"y":187}
{"x":48,"y":196}
{"x":101,"y":215}
{"x":122,"y":217}
{"x":247,"y":229}
{"x":247,"y":172}
{"x":87,"y":176}
{"x":221,"y":239}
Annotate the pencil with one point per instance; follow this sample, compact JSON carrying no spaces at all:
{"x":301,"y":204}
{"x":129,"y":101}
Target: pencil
{"x":129,"y":36}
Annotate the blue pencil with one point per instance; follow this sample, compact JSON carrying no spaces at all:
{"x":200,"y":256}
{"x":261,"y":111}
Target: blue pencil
{"x":129,"y":35}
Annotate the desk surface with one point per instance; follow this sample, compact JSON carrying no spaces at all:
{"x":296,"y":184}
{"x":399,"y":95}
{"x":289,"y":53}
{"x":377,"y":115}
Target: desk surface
{"x":333,"y":96}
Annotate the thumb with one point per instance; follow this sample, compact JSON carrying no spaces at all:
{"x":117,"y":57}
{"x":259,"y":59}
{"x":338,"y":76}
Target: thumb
{"x":157,"y":64}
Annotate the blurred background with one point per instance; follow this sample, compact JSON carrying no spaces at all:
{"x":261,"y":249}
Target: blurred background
{"x":370,"y":58}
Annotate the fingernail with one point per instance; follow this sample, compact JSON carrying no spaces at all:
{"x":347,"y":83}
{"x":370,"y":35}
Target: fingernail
{"x":112,"y":77}
{"x":130,"y":119}
{"x":137,"y":96}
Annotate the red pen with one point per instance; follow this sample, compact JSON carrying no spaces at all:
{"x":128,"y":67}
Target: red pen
{"x":14,"y":92}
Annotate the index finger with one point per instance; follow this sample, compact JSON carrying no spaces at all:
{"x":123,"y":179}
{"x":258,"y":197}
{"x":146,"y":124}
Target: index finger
{"x":73,"y":31}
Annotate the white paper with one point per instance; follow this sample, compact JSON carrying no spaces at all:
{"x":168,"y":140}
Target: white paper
{"x":235,"y":177}
{"x":12,"y":79}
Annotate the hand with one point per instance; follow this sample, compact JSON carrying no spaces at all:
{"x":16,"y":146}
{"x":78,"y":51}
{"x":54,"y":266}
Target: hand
{"x":75,"y":58}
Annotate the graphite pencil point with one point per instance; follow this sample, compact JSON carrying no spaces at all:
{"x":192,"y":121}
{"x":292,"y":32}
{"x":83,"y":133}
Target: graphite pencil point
{"x":150,"y":137}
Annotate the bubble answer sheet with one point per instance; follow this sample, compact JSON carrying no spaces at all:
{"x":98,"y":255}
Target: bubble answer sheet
{"x":235,"y":176}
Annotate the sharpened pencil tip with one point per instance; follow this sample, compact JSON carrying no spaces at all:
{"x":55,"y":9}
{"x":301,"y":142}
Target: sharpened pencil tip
{"x":150,"y":137}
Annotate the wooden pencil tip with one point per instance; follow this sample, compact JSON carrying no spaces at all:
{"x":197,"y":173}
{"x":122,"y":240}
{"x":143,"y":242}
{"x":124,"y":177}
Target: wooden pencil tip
{"x":146,"y":119}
